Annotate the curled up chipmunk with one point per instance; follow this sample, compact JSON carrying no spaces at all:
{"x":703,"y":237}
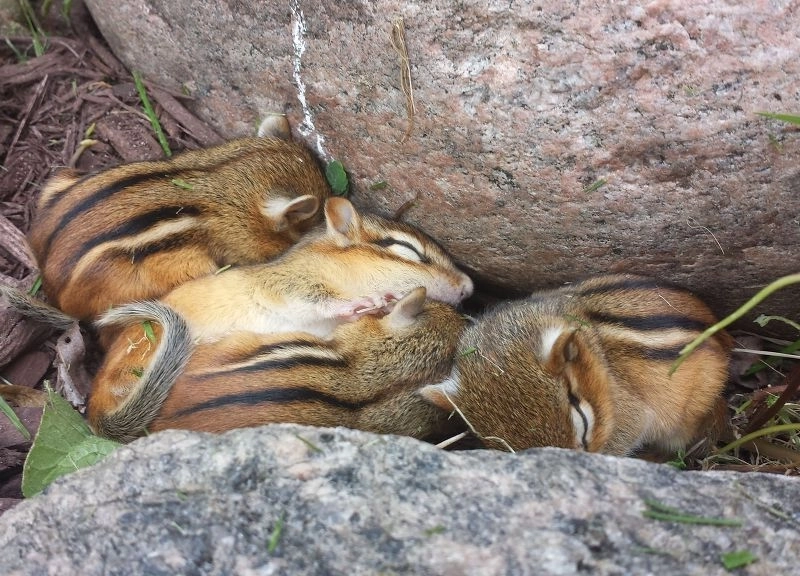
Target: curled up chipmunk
{"x":354,"y":266}
{"x":366,"y":376}
{"x":136,"y":231}
{"x":587,"y":366}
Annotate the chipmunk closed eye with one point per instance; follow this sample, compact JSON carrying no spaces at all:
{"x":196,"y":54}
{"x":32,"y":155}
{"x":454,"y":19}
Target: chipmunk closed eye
{"x":588,"y":366}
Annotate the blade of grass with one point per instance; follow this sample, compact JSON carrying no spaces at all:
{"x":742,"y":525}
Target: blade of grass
{"x":150,"y":113}
{"x":658,"y":511}
{"x":38,"y":37}
{"x":12,"y":416}
{"x":275,"y":536}
{"x":771,"y":430}
{"x":790,"y":118}
{"x":731,"y":318}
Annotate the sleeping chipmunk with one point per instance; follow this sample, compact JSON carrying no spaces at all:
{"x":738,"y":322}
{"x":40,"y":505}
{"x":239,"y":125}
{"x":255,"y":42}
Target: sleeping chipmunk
{"x":366,"y":376}
{"x":136,"y":231}
{"x":587,"y":366}
{"x":354,"y":266}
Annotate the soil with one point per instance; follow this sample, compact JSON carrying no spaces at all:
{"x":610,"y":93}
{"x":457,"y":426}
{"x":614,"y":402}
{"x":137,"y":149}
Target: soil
{"x":74,"y":106}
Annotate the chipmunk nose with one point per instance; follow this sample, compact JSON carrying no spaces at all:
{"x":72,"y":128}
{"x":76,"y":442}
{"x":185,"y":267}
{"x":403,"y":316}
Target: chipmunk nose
{"x":466,"y":287}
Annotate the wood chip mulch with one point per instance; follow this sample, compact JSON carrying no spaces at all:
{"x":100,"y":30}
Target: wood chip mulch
{"x":75,"y":92}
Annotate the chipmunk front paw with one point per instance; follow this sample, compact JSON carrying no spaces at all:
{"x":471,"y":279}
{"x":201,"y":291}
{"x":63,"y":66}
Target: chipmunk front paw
{"x":375,"y":304}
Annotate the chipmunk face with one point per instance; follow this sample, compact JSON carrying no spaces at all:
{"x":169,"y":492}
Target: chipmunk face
{"x":393,"y":250}
{"x":588,"y":366}
{"x":520,"y":383}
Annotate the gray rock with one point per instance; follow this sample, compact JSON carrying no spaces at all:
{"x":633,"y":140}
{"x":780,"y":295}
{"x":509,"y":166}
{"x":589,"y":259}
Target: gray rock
{"x":520,"y":111}
{"x":353,"y":503}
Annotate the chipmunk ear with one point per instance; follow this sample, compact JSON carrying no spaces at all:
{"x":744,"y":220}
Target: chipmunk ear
{"x":285,"y":212}
{"x":301,"y":208}
{"x":275,"y":125}
{"x":442,"y":395}
{"x":559,"y":348}
{"x":342,"y":220}
{"x":407,"y":309}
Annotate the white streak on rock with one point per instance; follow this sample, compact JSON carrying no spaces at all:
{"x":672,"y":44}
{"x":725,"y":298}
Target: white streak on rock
{"x":306,"y":128}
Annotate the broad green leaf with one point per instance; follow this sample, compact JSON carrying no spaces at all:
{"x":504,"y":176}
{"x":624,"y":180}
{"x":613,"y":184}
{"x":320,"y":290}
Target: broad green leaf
{"x":63,"y":444}
{"x":337,"y":178}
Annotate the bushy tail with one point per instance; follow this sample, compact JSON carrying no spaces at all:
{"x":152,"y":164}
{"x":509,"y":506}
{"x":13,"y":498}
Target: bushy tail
{"x":131,"y":419}
{"x":35,"y":309}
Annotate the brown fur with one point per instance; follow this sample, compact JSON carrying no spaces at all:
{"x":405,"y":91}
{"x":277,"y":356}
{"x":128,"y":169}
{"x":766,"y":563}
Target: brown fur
{"x":609,"y":342}
{"x":366,"y":376}
{"x":330,"y":277}
{"x":319,"y":284}
{"x":135,"y":231}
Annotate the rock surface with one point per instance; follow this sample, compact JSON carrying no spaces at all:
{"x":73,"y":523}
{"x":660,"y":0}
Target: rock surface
{"x":292,"y":500}
{"x":521,"y":113}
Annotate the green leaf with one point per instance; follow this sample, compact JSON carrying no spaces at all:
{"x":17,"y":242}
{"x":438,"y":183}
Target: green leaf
{"x":596,"y":185}
{"x":63,"y":444}
{"x":11,"y":415}
{"x":790,"y":118}
{"x":337,"y":178}
{"x":180,"y":183}
{"x":737,"y":559}
{"x":37,"y":285}
{"x":275,"y":537}
{"x":148,"y":331}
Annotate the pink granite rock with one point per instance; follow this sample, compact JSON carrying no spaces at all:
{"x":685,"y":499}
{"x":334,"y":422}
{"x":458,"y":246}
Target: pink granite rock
{"x":548,"y":143}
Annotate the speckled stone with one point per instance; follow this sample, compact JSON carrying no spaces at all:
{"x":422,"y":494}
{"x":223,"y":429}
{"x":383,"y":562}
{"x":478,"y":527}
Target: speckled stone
{"x":522,"y":110}
{"x":353,"y":503}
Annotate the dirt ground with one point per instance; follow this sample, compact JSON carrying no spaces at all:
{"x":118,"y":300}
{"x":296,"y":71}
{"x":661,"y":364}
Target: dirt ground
{"x":76,"y":105}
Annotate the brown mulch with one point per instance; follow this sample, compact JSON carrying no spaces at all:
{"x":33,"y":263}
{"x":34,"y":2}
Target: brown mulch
{"x":51,"y":104}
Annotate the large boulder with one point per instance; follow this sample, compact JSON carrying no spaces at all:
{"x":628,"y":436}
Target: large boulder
{"x":291,"y":500}
{"x":548,"y":144}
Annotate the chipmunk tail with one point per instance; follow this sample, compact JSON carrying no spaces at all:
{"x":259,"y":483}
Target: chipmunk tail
{"x":35,"y":309}
{"x":132,"y":417}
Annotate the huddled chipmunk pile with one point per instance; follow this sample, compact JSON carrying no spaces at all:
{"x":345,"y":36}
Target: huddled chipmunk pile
{"x":230,"y":289}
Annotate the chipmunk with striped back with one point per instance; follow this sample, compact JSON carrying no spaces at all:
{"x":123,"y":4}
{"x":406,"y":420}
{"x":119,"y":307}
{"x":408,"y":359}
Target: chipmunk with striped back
{"x":365,"y":376}
{"x":355,"y":266}
{"x":138,"y":230}
{"x":588,"y":366}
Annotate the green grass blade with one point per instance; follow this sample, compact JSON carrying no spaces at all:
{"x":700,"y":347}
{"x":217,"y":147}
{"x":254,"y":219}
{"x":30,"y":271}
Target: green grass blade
{"x":658,"y":511}
{"x":790,"y":118}
{"x":731,"y":318}
{"x":12,"y":416}
{"x":150,"y":113}
{"x":771,"y":430}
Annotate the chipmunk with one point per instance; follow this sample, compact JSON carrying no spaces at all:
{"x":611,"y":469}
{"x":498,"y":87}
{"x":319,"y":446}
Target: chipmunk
{"x":355,"y":266}
{"x":588,"y":366}
{"x":366,"y":376}
{"x":136,"y":231}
